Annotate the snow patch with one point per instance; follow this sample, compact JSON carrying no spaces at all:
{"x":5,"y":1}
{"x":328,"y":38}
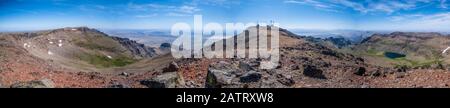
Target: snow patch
{"x":26,"y":45}
{"x":445,"y":50}
{"x":60,"y":43}
{"x":50,"y":53}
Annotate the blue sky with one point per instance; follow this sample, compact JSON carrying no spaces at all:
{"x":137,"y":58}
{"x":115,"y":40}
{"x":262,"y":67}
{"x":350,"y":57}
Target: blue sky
{"x":401,"y":15}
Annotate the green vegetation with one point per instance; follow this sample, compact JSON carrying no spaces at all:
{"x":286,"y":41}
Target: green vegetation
{"x":403,"y":61}
{"x":420,"y":64}
{"x":102,"y":61}
{"x":94,"y":46}
{"x":373,"y":52}
{"x":391,"y":43}
{"x":96,"y":42}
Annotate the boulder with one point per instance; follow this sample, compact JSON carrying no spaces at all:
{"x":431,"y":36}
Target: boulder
{"x":118,"y":86}
{"x":376,"y":73}
{"x":192,"y":84}
{"x":45,"y":83}
{"x":124,"y":74}
{"x":173,"y":67}
{"x":402,"y":68}
{"x":165,"y":80}
{"x":250,"y":77}
{"x":312,"y":71}
{"x":270,"y":65}
{"x":295,"y":67}
{"x":220,"y":74}
{"x":331,"y":53}
{"x":400,"y":75}
{"x":218,"y":78}
{"x":245,"y":66}
{"x":283,"y":79}
{"x":360,"y":71}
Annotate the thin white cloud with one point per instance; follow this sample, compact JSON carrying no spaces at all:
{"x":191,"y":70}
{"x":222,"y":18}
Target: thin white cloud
{"x":188,"y":9}
{"x":314,"y":3}
{"x":149,"y":7}
{"x":366,"y":6}
{"x":146,"y":16}
{"x":444,"y":4}
{"x":170,"y":10}
{"x":177,"y":14}
{"x":438,"y":21}
{"x":405,"y":17}
{"x":385,"y":6}
{"x":93,"y":8}
{"x":159,"y":6}
{"x":184,"y":10}
{"x":220,"y":3}
{"x":353,"y":5}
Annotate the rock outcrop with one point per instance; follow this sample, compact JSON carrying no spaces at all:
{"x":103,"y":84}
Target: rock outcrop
{"x":45,"y":83}
{"x":140,"y":50}
{"x":314,"y":72}
{"x":249,"y":77}
{"x":165,"y":80}
{"x":361,"y":71}
{"x":221,"y":74}
{"x":339,"y":42}
{"x":173,"y":67}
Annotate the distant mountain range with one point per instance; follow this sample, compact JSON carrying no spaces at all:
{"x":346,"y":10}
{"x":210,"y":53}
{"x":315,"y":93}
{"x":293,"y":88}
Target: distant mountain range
{"x":153,"y":37}
{"x":148,"y":37}
{"x":352,"y":35}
